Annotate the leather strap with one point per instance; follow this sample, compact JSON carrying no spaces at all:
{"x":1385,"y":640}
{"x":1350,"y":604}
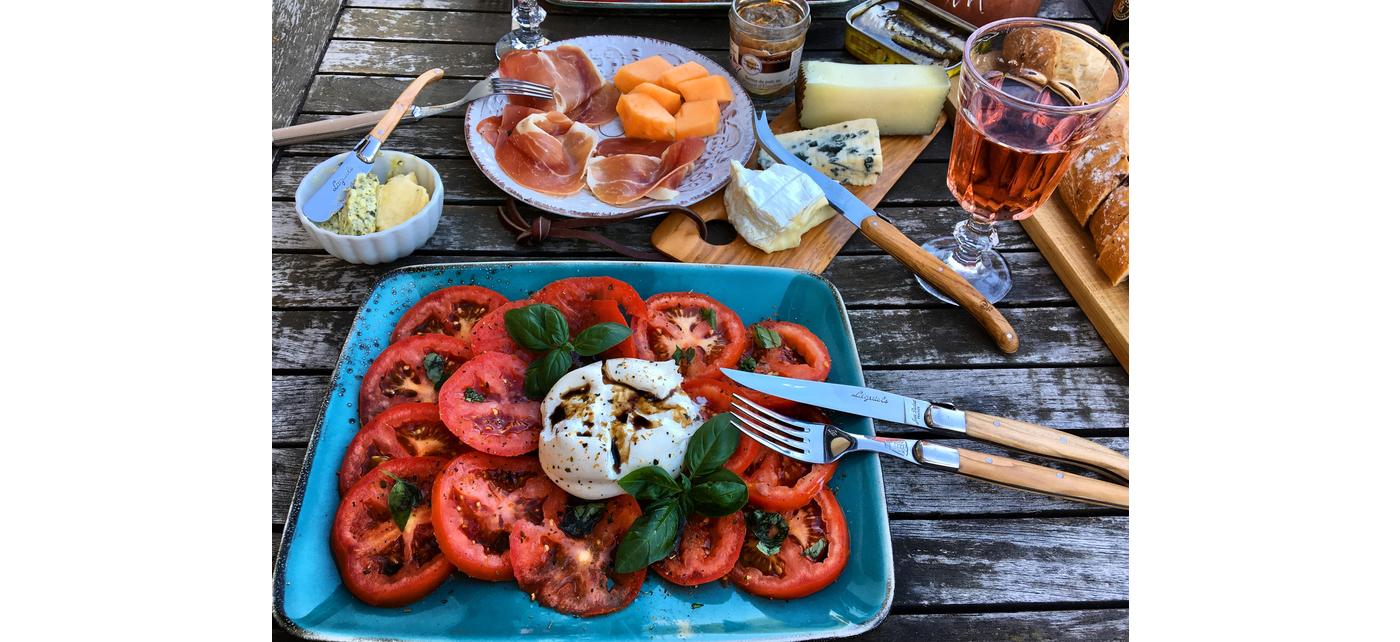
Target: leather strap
{"x":535,"y":232}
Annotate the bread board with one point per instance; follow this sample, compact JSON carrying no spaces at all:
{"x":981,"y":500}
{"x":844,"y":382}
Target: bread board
{"x":677,"y":237}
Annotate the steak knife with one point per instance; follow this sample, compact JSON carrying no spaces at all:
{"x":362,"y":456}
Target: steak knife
{"x":887,"y":406}
{"x":893,"y":241}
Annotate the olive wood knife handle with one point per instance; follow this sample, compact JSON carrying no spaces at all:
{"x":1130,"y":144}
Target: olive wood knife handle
{"x":926,"y":265}
{"x":1039,"y":479}
{"x":1047,"y":442}
{"x":405,"y":100}
{"x":329,"y":128}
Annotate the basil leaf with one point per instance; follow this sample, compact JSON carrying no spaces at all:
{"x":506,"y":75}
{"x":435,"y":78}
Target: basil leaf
{"x":748,"y":364}
{"x":543,"y":372}
{"x":814,"y":552}
{"x":436,"y":368}
{"x":651,"y":538}
{"x":682,"y":357}
{"x":650,"y":483}
{"x":471,"y":394}
{"x":708,"y":314}
{"x":767,"y":339}
{"x":769,"y":528}
{"x":719,"y":494}
{"x":538,"y":326}
{"x":404,"y":496}
{"x":711,"y":445}
{"x":597,"y":338}
{"x":579,"y":520}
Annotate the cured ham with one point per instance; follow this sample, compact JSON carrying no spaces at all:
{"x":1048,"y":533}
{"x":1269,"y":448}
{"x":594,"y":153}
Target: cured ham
{"x":579,"y":90}
{"x":631,"y":172}
{"x":545,"y":151}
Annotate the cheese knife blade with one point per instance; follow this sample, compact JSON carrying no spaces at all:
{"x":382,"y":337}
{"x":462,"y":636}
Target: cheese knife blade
{"x":331,"y":196}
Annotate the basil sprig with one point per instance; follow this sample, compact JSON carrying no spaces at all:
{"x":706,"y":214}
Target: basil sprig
{"x":770,"y":529}
{"x":404,"y":496}
{"x":542,"y":328}
{"x":767,"y":339}
{"x":435,"y":366}
{"x":580,"y":519}
{"x":705,"y":487}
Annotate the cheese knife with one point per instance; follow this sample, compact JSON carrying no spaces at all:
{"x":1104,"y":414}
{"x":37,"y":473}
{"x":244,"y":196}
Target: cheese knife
{"x":887,"y":406}
{"x":330,"y":197}
{"x":891,"y":240}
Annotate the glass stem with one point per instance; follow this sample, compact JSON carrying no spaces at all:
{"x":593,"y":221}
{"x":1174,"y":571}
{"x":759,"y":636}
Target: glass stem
{"x":529,"y":15}
{"x":975,"y":236}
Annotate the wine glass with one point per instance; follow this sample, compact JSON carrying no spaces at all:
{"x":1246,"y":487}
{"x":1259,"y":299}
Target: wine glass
{"x":525,"y":19}
{"x":1033,"y":90}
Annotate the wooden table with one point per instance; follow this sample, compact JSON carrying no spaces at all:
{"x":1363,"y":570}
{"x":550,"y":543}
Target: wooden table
{"x":973,"y":561}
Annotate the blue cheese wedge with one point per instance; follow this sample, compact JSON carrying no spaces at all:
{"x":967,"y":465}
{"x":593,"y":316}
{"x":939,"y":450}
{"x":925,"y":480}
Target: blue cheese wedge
{"x":846,"y":152}
{"x":773,"y":208}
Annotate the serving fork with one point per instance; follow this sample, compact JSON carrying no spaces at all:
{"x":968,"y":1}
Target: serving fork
{"x":333,"y":127}
{"x":823,"y":443}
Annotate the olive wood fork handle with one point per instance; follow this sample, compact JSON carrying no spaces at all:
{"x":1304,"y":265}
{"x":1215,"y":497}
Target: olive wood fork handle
{"x":1047,"y":442}
{"x":1024,"y":476}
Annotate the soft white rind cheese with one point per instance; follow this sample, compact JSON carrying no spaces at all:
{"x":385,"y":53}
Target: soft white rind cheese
{"x":903,"y":99}
{"x":772,"y":208}
{"x":847,"y":152}
{"x":609,"y":418}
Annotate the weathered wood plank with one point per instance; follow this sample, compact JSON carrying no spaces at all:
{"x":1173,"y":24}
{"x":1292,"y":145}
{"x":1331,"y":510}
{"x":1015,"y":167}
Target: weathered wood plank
{"x":830,"y":11}
{"x":300,"y":30}
{"x":296,"y":406}
{"x":305,"y":339}
{"x":413,"y":58}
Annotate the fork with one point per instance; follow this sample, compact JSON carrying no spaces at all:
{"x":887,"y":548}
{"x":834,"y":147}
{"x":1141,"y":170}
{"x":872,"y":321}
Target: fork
{"x":333,"y":127}
{"x":823,"y":443}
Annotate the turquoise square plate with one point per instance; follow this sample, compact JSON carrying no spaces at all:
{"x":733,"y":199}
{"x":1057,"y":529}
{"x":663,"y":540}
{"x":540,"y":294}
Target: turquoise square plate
{"x":309,"y":600}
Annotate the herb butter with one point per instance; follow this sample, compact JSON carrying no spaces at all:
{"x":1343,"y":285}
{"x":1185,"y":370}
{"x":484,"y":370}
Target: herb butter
{"x":356,"y":218}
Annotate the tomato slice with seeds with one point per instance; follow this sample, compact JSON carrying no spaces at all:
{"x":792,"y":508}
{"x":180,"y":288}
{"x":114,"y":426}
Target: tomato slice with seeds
{"x":399,"y":374}
{"x":484,"y":404}
{"x":490,"y":334}
{"x":450,"y":311}
{"x":405,"y":430}
{"x":708,"y":549}
{"x":803,"y":565}
{"x":584,"y":302}
{"x":777,"y":482}
{"x":478,"y":498}
{"x":379,"y":563}
{"x":680,"y":321}
{"x":575,"y":575}
{"x":800,"y":355}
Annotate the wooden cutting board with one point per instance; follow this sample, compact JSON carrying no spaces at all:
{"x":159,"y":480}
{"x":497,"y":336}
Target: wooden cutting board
{"x":676,"y":235}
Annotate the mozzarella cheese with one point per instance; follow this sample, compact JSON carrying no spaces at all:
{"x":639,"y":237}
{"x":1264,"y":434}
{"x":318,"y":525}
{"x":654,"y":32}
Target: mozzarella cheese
{"x":606,"y":419}
{"x":772,"y":208}
{"x":904,"y":99}
{"x":848,"y":152}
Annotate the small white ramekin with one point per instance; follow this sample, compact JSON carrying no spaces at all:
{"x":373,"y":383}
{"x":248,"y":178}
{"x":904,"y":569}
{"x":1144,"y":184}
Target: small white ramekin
{"x":391,"y":244}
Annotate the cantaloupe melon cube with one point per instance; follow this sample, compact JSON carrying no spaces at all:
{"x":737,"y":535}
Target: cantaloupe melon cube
{"x":644,"y":70}
{"x":697,"y":118}
{"x":677,"y":75}
{"x":706,"y":88}
{"x":643,"y":117}
{"x":668,"y":99}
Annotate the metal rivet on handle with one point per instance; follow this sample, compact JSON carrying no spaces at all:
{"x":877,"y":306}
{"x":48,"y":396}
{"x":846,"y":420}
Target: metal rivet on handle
{"x":996,"y":423}
{"x":1059,"y":475}
{"x":989,"y":460}
{"x":1064,"y":440}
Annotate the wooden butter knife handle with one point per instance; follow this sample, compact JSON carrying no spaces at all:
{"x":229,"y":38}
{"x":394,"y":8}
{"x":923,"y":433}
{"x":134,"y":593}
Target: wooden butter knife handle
{"x":402,"y":103}
{"x":1039,"y":479}
{"x":926,"y":265}
{"x":329,"y":128}
{"x":1048,"y":442}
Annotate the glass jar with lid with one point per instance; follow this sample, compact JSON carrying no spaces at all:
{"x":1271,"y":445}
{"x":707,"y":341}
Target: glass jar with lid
{"x":765,"y":43}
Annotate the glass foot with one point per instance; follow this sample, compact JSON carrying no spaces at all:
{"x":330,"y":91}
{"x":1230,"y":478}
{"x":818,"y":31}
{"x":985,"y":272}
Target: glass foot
{"x":510,"y":42}
{"x":992,"y":277}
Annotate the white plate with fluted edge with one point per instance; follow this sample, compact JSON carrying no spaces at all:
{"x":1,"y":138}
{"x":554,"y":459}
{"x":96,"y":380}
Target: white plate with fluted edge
{"x":734,"y":141}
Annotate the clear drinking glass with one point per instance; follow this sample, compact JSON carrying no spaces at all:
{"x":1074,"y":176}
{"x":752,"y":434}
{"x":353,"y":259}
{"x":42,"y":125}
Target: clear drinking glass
{"x":1032,"y":90}
{"x":525,"y":19}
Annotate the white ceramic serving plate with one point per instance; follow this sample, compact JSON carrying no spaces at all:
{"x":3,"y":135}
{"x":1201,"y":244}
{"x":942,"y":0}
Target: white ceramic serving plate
{"x":710,"y":173}
{"x":380,"y":247}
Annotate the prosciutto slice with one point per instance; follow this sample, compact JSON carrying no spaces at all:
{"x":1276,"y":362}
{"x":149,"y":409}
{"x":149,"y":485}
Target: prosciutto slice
{"x":579,"y":90}
{"x":545,"y":151}
{"x":631,"y":172}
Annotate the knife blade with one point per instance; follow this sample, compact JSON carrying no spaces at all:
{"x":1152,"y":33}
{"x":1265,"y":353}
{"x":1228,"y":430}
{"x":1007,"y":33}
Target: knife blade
{"x":857,"y":400}
{"x":893,"y":241}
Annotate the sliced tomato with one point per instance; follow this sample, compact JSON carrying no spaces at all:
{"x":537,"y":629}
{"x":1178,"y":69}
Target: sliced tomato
{"x":678,"y":327}
{"x":608,"y":312}
{"x":490,"y":334}
{"x":450,"y":311}
{"x":800,"y":355}
{"x":399,"y":374}
{"x":484,"y":404}
{"x":582,"y":301}
{"x":379,"y":563}
{"x":575,"y":575}
{"x":405,"y":430}
{"x":478,"y":498}
{"x":718,"y":392}
{"x":777,"y":482}
{"x":803,"y":564}
{"x":708,"y":549}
